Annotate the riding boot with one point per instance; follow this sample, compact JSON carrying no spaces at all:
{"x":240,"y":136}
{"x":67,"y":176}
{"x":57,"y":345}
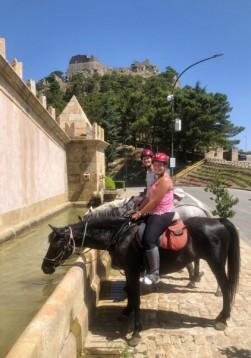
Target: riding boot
{"x":152,"y":257}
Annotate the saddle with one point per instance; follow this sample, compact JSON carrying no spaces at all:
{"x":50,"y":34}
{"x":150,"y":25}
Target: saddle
{"x":174,"y":238}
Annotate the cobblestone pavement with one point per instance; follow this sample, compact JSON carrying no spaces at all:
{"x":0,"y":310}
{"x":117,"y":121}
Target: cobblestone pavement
{"x":177,"y":321}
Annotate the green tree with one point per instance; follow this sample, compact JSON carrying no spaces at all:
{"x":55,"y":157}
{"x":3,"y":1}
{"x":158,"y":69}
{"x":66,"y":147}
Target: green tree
{"x":204,"y":118}
{"x":52,"y":87}
{"x":224,"y":202}
{"x":134,"y":110}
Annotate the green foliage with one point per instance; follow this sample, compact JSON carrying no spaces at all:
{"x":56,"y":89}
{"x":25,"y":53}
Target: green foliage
{"x":223,"y":200}
{"x":52,"y":87}
{"x":134,"y":110}
{"x":119,"y":184}
{"x":109,"y":183}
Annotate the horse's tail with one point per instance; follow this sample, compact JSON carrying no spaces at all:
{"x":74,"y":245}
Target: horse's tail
{"x":233,"y":258}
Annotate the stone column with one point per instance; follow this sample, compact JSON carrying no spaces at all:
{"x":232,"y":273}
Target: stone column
{"x":32,"y":86}
{"x":2,"y":48}
{"x":17,"y":67}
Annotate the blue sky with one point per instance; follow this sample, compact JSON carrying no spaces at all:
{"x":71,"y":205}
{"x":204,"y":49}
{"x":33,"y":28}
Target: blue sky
{"x":44,"y":35}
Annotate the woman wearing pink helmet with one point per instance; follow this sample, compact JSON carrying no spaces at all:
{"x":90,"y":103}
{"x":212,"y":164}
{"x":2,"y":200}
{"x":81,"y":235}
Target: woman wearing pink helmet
{"x":146,"y":157}
{"x":159,"y":205}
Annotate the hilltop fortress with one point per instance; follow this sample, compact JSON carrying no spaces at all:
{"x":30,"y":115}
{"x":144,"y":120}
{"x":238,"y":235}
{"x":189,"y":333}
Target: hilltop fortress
{"x":91,"y":65}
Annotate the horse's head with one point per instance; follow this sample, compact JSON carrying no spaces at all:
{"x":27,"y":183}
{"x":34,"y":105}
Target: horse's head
{"x":61,"y":247}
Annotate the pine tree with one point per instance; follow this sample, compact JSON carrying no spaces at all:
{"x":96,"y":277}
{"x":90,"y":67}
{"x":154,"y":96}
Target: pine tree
{"x":223,"y":200}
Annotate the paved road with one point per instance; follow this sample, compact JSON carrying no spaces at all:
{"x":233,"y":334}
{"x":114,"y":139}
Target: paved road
{"x":243,"y":208}
{"x":199,"y":195}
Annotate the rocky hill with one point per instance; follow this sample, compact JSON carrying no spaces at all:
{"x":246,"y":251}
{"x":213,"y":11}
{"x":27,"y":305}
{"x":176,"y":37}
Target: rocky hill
{"x":91,"y":65}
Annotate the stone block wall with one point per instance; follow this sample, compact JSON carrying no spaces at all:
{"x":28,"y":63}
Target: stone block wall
{"x":86,"y":168}
{"x":220,"y":154}
{"x":46,"y":161}
{"x":60,"y":328}
{"x":33,"y":172}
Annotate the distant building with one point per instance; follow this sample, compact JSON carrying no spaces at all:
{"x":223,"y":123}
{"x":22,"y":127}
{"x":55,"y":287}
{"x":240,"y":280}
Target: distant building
{"x":86,"y":65}
{"x":91,"y":65}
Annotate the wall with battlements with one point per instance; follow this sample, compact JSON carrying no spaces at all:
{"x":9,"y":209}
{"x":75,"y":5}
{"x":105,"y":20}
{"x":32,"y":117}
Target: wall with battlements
{"x":33,"y":152}
{"x":45,"y":161}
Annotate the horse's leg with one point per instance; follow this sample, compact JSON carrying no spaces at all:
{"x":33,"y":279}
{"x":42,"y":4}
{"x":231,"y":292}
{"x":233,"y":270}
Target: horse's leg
{"x":190,"y":269}
{"x":133,"y":292}
{"x":221,"y":277}
{"x":197,"y":273}
{"x":194,"y":273}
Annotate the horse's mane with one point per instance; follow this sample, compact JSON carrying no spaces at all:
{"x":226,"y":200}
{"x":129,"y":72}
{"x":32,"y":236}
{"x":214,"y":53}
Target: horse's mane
{"x":95,"y":220}
{"x":114,"y":208}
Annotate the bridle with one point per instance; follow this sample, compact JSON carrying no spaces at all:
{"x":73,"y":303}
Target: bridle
{"x":69,"y":245}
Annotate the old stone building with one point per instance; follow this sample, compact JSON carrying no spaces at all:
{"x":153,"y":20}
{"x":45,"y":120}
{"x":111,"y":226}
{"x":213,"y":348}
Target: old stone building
{"x":91,"y":65}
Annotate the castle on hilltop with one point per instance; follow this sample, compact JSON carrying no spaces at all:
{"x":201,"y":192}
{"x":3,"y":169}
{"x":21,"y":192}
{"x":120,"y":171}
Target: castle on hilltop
{"x":91,"y":65}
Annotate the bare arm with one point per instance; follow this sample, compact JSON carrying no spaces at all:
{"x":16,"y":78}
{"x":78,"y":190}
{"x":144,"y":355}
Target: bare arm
{"x":163,"y":185}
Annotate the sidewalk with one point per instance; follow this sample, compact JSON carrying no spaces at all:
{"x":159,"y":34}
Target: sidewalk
{"x":177,"y":321}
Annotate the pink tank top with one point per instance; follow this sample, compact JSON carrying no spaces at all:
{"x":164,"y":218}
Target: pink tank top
{"x":166,"y":203}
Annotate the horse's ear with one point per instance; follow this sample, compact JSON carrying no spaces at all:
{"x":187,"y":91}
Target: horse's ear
{"x":53,"y":228}
{"x":90,"y":210}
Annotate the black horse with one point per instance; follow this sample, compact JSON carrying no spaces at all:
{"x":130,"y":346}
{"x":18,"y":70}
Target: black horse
{"x":214,"y":240}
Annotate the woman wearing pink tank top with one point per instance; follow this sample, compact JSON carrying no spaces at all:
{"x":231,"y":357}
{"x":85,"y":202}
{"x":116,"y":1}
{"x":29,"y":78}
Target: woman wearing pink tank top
{"x":159,"y":205}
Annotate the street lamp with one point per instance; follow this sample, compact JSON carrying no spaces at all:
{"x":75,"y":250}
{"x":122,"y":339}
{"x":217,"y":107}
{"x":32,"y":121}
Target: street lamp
{"x":170,"y":99}
{"x":126,"y":158}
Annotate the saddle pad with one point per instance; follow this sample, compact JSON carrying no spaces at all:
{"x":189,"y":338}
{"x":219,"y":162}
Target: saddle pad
{"x":175,"y":237}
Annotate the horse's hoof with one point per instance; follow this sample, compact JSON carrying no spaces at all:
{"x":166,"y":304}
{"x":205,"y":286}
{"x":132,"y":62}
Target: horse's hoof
{"x":134,"y":341}
{"x":198,"y":278}
{"x":220,"y":326}
{"x":218,"y":293}
{"x":191,"y":285}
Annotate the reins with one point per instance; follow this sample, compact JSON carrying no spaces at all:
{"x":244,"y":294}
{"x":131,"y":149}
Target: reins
{"x":71,"y":244}
{"x":111,"y":243}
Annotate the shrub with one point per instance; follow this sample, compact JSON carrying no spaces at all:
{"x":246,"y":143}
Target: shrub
{"x":119,"y":184}
{"x":223,"y":200}
{"x":109,"y":183}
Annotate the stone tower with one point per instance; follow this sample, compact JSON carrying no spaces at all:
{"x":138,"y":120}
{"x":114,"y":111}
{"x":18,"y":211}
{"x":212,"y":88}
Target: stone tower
{"x":85,"y":154}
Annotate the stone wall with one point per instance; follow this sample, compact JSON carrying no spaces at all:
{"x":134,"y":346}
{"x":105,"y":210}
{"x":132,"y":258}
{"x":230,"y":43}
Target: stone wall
{"x":87,"y":65}
{"x":220,"y":154}
{"x":45,"y":161}
{"x":235,"y":164}
{"x":33,"y":173}
{"x":85,"y":154}
{"x":60,"y":328}
{"x":91,"y":65}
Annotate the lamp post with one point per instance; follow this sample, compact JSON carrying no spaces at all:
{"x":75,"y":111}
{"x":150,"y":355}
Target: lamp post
{"x":126,"y":158}
{"x":170,"y":99}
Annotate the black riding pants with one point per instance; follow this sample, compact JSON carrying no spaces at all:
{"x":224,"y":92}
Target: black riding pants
{"x":155,"y":226}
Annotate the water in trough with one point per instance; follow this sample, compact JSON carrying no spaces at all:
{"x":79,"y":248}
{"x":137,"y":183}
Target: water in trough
{"x":23,"y":286}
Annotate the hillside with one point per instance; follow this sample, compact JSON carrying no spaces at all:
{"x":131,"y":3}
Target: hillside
{"x":128,"y":167}
{"x":232,"y":177}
